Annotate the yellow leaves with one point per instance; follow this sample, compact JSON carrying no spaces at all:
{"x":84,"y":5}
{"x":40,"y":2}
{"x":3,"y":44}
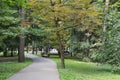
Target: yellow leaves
{"x":54,"y":36}
{"x":78,"y":12}
{"x":25,"y":24}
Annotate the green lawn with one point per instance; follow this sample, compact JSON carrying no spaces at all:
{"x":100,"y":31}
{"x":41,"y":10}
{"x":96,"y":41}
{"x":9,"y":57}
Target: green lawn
{"x":76,"y":70}
{"x":9,"y":68}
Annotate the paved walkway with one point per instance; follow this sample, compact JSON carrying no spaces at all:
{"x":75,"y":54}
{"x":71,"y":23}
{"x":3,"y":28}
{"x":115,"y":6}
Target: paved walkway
{"x":40,"y":69}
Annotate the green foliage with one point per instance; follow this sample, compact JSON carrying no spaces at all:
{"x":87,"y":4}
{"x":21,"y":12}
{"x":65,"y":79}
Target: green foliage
{"x":116,"y":70}
{"x":8,"y":22}
{"x":110,"y":51}
{"x":85,"y":45}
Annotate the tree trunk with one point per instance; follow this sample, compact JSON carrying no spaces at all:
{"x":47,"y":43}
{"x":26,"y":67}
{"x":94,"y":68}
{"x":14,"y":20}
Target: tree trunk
{"x":5,"y":53}
{"x":56,"y":24}
{"x":61,"y":50}
{"x":105,"y":18}
{"x":11,"y":52}
{"x":27,"y":49}
{"x":59,"y":42}
{"x":71,"y":54}
{"x":36,"y":50}
{"x":21,"y":57}
{"x":59,"y":53}
{"x":60,"y":45}
{"x":33,"y":50}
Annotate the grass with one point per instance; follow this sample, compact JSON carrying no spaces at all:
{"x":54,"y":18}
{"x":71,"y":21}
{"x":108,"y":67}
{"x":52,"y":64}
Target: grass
{"x":76,"y":70}
{"x":7,"y":69}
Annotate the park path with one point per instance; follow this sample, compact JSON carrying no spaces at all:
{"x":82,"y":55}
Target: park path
{"x":40,"y":69}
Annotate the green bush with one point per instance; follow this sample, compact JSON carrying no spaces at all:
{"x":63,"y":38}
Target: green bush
{"x":110,"y":50}
{"x":116,"y":70}
{"x":79,"y":56}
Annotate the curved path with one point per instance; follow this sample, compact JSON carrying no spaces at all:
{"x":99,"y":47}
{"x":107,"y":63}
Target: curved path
{"x":40,"y":69}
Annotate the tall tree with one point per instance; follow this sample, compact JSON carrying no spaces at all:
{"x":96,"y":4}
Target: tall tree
{"x":21,"y":57}
{"x":8,"y":19}
{"x":61,"y":15}
{"x":55,"y":16}
{"x":21,"y":5}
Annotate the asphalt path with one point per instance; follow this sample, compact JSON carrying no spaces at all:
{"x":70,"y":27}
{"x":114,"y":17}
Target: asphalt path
{"x":40,"y":69}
